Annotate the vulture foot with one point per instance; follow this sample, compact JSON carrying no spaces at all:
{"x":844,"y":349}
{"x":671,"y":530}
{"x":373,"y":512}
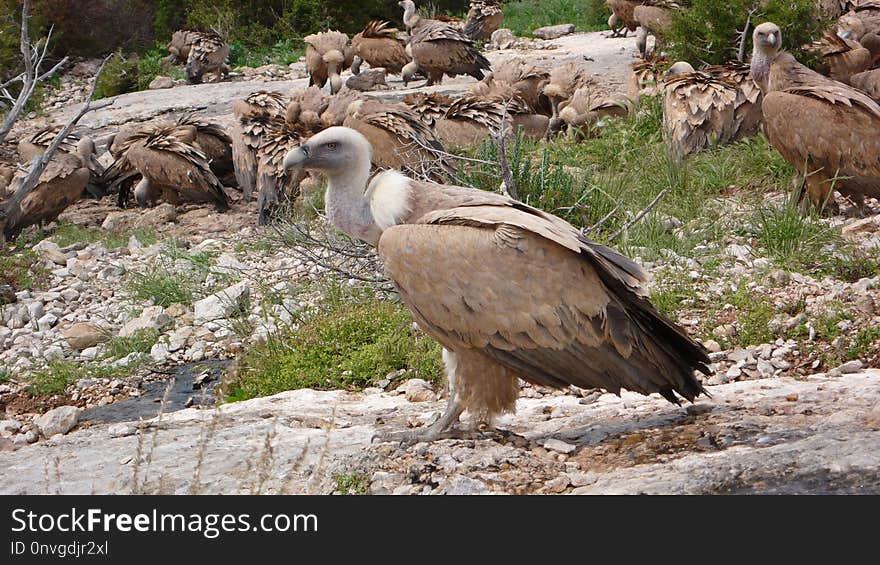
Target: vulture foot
{"x":443,"y":428}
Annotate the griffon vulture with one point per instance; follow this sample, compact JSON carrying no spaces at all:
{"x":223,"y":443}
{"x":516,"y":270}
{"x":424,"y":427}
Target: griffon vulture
{"x":274,"y":184}
{"x":208,"y":54}
{"x":251,"y":122}
{"x":698,"y":110}
{"x":401,"y":139}
{"x":467,"y":119}
{"x":825,"y":129}
{"x":37,"y":143}
{"x":170,"y":167}
{"x":508,"y":290}
{"x":337,"y":109}
{"x":525,"y":79}
{"x":439,"y":49}
{"x":483,"y":18}
{"x":622,"y":12}
{"x":380,"y":46}
{"x":327,"y":55}
{"x":588,"y":107}
{"x":869,"y":82}
{"x":61,"y":184}
{"x":654,"y":18}
{"x":180,"y":44}
{"x":646,"y":77}
{"x":213,"y":141}
{"x":564,"y":81}
{"x":747,"y":115}
{"x":842,"y":58}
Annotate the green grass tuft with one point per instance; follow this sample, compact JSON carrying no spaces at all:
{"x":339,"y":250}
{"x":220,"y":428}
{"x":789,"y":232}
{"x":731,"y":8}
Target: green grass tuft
{"x":21,"y":270}
{"x":524,"y":16}
{"x":351,"y":483}
{"x":68,"y":234}
{"x":54,"y":378}
{"x":139,"y":342}
{"x":350,"y":343}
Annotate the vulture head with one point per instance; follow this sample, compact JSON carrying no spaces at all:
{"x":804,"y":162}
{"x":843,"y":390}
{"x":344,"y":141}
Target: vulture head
{"x":680,"y":68}
{"x":850,"y":26}
{"x":335,"y":61}
{"x":334,"y":151}
{"x":409,"y":10}
{"x":767,"y":38}
{"x":86,"y":148}
{"x":408,"y":72}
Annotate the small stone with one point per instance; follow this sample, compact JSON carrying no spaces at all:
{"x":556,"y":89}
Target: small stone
{"x":559,"y":446}
{"x":83,"y":335}
{"x":724,"y":331}
{"x":417,"y":390}
{"x":153,"y":317}
{"x":9,"y":427}
{"x":733,"y":373}
{"x":712,"y":346}
{"x":557,"y":485}
{"x":851,"y":367}
{"x":121,"y":430}
{"x":31,"y":436}
{"x":159,"y":352}
{"x":47,"y":322}
{"x":7,"y":295}
{"x":766,"y":368}
{"x":554,"y":32}
{"x":222,"y":304}
{"x":160,"y":82}
{"x":157,"y":216}
{"x":461,"y":485}
{"x":740,"y":355}
{"x":57,"y":421}
{"x":793,"y":397}
{"x":48,"y":249}
{"x":89,"y":353}
{"x":368,"y":79}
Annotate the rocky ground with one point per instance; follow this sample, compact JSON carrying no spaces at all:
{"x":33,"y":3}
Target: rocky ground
{"x":796,"y":413}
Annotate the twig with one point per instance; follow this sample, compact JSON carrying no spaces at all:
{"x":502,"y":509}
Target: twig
{"x":741,"y":52}
{"x":640,"y":215}
{"x":508,"y":184}
{"x":595,"y":227}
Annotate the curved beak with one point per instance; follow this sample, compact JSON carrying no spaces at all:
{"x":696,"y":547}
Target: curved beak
{"x":296,"y":158}
{"x":771,"y":39}
{"x":844,"y":34}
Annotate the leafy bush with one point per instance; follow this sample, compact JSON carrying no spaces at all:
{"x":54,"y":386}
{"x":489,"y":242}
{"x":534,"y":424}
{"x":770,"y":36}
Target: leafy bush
{"x":119,"y":76}
{"x":524,"y":16}
{"x":708,"y":31}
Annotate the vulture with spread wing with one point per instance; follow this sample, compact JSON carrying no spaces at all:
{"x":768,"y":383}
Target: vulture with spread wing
{"x":483,"y":18}
{"x":437,"y":49}
{"x":697,"y":110}
{"x":62,"y":183}
{"x":250,"y":124}
{"x":327,"y":55}
{"x":825,"y":129}
{"x":380,"y":46}
{"x":400,"y":138}
{"x":522,"y":293}
{"x":747,"y":115}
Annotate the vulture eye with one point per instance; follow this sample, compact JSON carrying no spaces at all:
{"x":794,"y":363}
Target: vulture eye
{"x":331,"y":146}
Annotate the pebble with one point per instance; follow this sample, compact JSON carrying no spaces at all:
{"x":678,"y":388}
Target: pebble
{"x":851,"y":367}
{"x":559,"y":446}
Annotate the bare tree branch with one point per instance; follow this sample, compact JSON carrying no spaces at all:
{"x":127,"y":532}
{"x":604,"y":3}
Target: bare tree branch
{"x":640,"y":215}
{"x":741,"y":52}
{"x":12,"y":208}
{"x":33,"y":56}
{"x":508,"y":183}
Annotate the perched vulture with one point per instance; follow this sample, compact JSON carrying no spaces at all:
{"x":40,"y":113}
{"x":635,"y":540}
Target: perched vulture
{"x":508,"y":290}
{"x":337,"y":109}
{"x":856,"y":23}
{"x":380,"y":46}
{"x":180,"y":44}
{"x":654,"y":18}
{"x":842,"y":58}
{"x":251,"y":122}
{"x":646,"y":78}
{"x":213,"y":141}
{"x":747,"y":115}
{"x":327,"y":55}
{"x":401,"y":140}
{"x":274,"y":184}
{"x":37,"y":143}
{"x":208,"y":54}
{"x":521,"y":77}
{"x":697,"y":110}
{"x":170,"y":167}
{"x":823,"y":128}
{"x":483,"y":18}
{"x":62,"y":183}
{"x":869,"y":82}
{"x":564,"y":81}
{"x":622,"y":12}
{"x":588,"y":107}
{"x":467,"y":119}
{"x":439,"y":49}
